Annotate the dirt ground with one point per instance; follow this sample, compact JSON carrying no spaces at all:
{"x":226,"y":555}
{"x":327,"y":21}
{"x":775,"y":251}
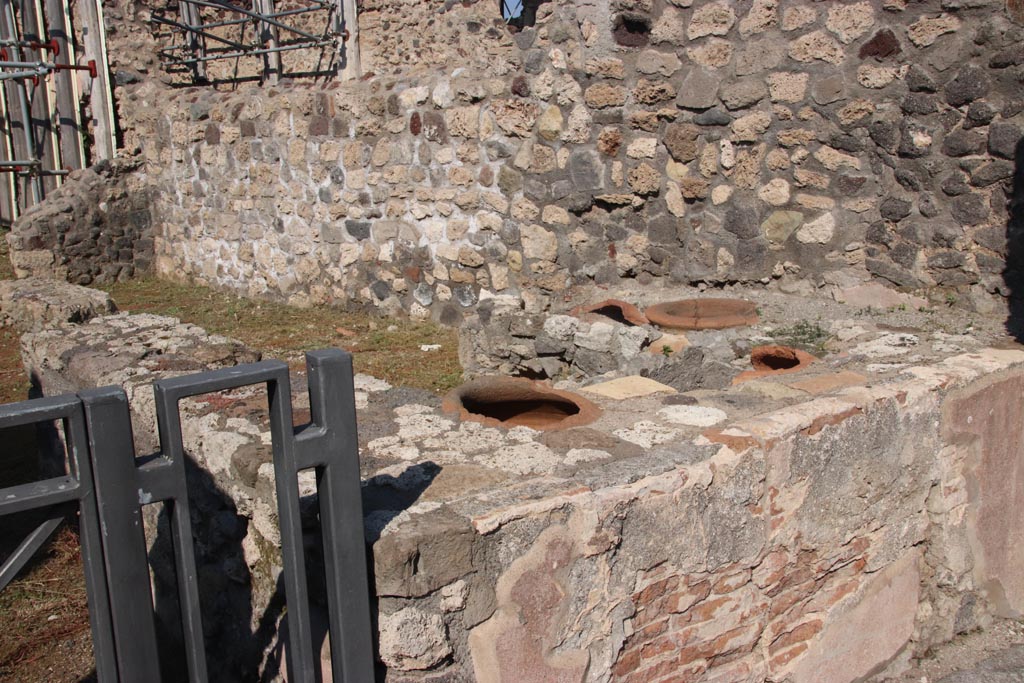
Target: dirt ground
{"x":963,"y":654}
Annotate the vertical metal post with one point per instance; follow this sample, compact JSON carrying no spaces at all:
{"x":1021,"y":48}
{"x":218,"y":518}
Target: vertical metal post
{"x":90,"y":14}
{"x":350,"y":65}
{"x":108,"y":423}
{"x":269,"y":38}
{"x":69,"y":121}
{"x":29,"y":190}
{"x":44,"y":132}
{"x":330,"y":444}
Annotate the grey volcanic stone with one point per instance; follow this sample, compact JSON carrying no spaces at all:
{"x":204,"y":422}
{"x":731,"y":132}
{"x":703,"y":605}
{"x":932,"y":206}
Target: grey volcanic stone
{"x":970,"y":84}
{"x":893,"y":273}
{"x":742,"y":220}
{"x":828,"y":90}
{"x":1003,"y":139}
{"x":919,"y":103}
{"x":970,"y":209}
{"x":894,"y":209}
{"x":991,"y":173}
{"x":885,"y":134}
{"x":1006,"y":666}
{"x":963,"y":142}
{"x":585,"y":170}
{"x":979,"y":114}
{"x":743,"y":94}
{"x":690,"y":370}
{"x":713,"y":117}
{"x":919,"y":80}
{"x":698,"y":90}
{"x":359,"y":230}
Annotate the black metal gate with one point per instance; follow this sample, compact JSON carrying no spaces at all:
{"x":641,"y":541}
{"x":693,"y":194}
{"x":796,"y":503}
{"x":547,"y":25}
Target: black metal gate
{"x":111,"y":486}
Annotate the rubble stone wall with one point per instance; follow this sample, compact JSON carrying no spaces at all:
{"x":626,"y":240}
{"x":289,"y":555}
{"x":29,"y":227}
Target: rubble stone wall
{"x":794,"y":143}
{"x":97,"y":227}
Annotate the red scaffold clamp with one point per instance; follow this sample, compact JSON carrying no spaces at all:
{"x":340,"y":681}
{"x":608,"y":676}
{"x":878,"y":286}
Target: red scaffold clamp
{"x":90,"y":67}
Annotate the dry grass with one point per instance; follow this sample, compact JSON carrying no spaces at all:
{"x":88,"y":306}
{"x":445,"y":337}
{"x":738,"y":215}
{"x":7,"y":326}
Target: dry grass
{"x":46,"y":618}
{"x":389,"y":349}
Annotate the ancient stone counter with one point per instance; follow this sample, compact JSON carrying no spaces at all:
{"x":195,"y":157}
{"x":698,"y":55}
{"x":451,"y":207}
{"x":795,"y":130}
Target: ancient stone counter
{"x":824,"y":524}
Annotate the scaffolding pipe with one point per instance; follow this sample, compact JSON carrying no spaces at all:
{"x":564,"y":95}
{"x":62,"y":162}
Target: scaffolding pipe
{"x":283,"y":48}
{"x":254,"y":15}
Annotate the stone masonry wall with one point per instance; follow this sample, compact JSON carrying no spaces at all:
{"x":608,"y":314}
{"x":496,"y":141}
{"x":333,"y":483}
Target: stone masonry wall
{"x":797,"y":144}
{"x":96,"y":227}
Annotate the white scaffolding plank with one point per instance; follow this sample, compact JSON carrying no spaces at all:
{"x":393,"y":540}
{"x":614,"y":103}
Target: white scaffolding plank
{"x":69,"y":120}
{"x":8,"y":198}
{"x":90,"y":14}
{"x":44,"y":130}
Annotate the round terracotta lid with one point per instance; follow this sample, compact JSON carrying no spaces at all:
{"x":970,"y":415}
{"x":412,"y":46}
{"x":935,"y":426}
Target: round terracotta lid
{"x":703,"y":314}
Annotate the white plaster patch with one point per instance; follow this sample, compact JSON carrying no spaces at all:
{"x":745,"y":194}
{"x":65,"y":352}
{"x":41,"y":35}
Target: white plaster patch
{"x":470,"y":438}
{"x":576,"y":456}
{"x":412,"y":409}
{"x":646,"y":434}
{"x":895,"y":344}
{"x":693,"y":416}
{"x":369,"y":383}
{"x":525,"y":458}
{"x":421,"y":426}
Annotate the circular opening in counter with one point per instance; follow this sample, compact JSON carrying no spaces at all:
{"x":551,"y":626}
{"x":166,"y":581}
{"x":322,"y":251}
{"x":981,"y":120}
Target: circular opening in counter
{"x":620,"y":311}
{"x":519,"y":402}
{"x":703,"y":314}
{"x":773,"y":358}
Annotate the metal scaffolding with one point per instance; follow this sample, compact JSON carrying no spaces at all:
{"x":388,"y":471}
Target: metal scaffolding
{"x":42,"y":134}
{"x":228,"y":31}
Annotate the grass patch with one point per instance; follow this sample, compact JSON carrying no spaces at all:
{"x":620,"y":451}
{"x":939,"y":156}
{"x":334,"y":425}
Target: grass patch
{"x":389,"y":349}
{"x":805,"y":335}
{"x":46,"y":618}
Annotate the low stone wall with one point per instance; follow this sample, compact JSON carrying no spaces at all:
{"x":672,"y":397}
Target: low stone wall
{"x":822,"y":525}
{"x":95,"y":228}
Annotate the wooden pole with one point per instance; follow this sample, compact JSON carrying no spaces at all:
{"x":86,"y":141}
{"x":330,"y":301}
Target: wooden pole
{"x":269,"y":38}
{"x":190,"y":15}
{"x":90,"y":15}
{"x":350,"y":66}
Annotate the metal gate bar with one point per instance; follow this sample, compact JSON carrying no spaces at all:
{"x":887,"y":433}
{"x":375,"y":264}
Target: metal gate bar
{"x":112,"y":486}
{"x":75,"y":486}
{"x":328,"y":444}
